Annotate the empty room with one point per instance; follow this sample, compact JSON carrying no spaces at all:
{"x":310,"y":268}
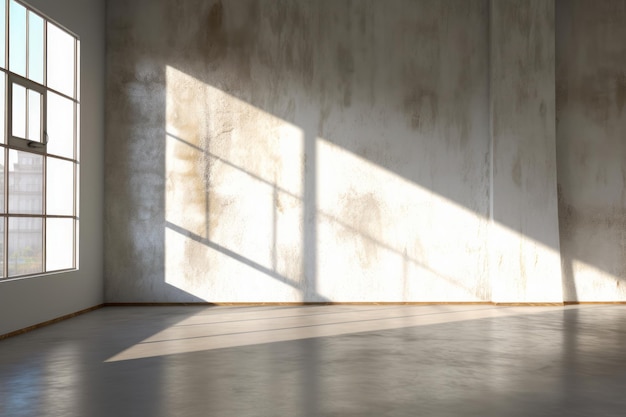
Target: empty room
{"x":312,"y":208}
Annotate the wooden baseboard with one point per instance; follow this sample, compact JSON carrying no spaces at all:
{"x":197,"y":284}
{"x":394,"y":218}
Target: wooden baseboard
{"x":530,"y":304}
{"x":576,"y":303}
{"x":338,"y":303}
{"x":152,"y":304}
{"x":49,"y":322}
{"x":301,"y":304}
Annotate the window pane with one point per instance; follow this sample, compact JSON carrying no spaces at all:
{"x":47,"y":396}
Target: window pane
{"x":59,"y":244}
{"x":17,"y":38}
{"x":19,"y":111}
{"x":25,"y":183}
{"x":77,"y":190}
{"x":60,"y":187}
{"x":60,"y":58}
{"x":25,"y":245}
{"x":2,"y":210}
{"x":77,"y":131}
{"x":78,"y":73}
{"x":35,"y":47}
{"x":34,"y":115}
{"x":60,"y":129}
{"x":3,"y":25}
{"x":2,"y":105}
{"x":2,"y":247}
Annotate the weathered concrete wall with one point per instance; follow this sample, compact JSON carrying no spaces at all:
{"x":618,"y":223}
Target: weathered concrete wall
{"x":365,"y":151}
{"x":297,"y":151}
{"x":591,"y":114}
{"x":525,"y":240}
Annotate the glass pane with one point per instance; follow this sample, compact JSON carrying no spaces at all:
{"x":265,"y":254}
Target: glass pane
{"x":2,"y":105}
{"x":59,"y":244}
{"x":19,"y":111}
{"x":77,"y":192}
{"x":2,"y":247}
{"x":25,"y":245}
{"x":25,"y":183}
{"x":60,"y":125}
{"x":60,"y":58}
{"x":78,"y":73}
{"x":2,"y":209}
{"x":17,"y":38}
{"x":34,"y":115}
{"x":3,"y":26}
{"x":77,"y":157}
{"x":35,"y":47}
{"x":76,"y":245}
{"x":60,"y":187}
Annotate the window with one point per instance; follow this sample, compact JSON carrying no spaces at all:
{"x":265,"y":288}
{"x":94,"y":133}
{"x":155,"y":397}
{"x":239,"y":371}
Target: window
{"x":39,"y":95}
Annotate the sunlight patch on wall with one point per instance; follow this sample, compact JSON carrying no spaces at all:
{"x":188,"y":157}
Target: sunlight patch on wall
{"x":235,"y":208}
{"x":589,"y":279}
{"x":233,"y":205}
{"x":523,"y":269}
{"x":395,"y":239}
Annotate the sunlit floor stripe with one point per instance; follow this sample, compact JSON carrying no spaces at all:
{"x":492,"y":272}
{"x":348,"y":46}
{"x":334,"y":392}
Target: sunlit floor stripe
{"x":178,"y":339}
{"x":228,"y":317}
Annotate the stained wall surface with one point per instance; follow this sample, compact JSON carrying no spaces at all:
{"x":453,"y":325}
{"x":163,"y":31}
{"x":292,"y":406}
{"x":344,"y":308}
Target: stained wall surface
{"x":25,"y":302}
{"x":525,"y":259}
{"x":591,"y":115}
{"x":363,"y":151}
{"x":297,"y":151}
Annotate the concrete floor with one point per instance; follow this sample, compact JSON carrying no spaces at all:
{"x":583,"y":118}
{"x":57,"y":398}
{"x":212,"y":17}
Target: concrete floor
{"x":321,"y":361}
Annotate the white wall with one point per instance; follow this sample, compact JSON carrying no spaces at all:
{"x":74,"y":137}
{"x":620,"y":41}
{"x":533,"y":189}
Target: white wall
{"x":24,"y":302}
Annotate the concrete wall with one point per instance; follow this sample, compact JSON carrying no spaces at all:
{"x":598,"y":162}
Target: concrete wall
{"x":525,"y":236}
{"x":297,"y":151}
{"x":357,"y":151}
{"x":591,"y":114}
{"x":24,"y":302}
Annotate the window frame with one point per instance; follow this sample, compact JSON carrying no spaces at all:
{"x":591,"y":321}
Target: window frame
{"x":9,"y":142}
{"x":16,"y":142}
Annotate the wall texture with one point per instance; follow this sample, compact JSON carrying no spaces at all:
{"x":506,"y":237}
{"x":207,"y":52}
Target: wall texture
{"x":297,"y":151}
{"x":25,"y":302}
{"x":345,"y":151}
{"x":525,"y":240}
{"x":591,"y":115}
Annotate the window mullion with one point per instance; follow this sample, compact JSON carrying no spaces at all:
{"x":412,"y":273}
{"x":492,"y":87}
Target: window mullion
{"x":27,"y":70}
{"x":6,"y":35}
{"x":5,"y":218}
{"x":8,"y":125}
{"x":45,"y":52}
{"x":27,"y":116}
{"x":44,"y":211}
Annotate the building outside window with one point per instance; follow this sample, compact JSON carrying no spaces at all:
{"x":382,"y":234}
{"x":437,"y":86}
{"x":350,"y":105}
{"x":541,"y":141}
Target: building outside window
{"x":39,"y":147}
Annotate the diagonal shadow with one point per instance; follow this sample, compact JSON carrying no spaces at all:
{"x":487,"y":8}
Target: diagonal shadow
{"x":382,"y":81}
{"x":309,"y":247}
{"x":233,"y":255}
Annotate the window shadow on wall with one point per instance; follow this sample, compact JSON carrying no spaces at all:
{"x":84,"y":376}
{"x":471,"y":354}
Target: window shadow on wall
{"x":271,"y":145}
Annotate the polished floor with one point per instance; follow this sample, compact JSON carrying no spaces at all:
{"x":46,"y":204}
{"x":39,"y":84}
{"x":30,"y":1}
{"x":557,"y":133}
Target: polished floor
{"x":321,"y":361}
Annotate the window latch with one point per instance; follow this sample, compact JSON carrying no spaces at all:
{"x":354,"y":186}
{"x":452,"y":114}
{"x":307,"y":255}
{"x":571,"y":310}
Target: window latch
{"x":34,"y":144}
